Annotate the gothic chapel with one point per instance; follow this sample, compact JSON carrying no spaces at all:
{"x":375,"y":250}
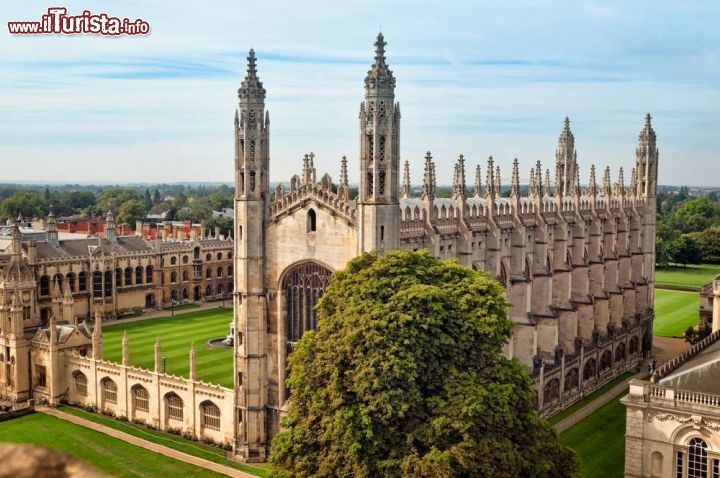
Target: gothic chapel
{"x":577,"y":262}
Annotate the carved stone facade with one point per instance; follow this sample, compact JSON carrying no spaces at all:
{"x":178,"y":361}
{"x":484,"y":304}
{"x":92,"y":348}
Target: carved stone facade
{"x":122,"y":275}
{"x":48,"y":352}
{"x":577,"y":262}
{"x":673,"y":421}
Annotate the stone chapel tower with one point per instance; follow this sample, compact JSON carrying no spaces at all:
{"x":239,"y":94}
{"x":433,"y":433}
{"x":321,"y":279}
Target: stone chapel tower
{"x":378,"y":202}
{"x":565,"y":161}
{"x":17,"y":296}
{"x":646,"y":174}
{"x":252,"y":163}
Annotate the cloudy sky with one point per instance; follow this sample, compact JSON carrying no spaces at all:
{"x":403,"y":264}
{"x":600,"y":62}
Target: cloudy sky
{"x":473,"y":77}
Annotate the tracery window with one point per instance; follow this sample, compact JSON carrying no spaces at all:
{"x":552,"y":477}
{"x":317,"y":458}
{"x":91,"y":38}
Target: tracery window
{"x":109,"y":390}
{"x":303,"y":287}
{"x":210,"y":416}
{"x":80,"y":383}
{"x":381,"y":148}
{"x":174,"y":406}
{"x":141,"y":398}
{"x":97,"y":284}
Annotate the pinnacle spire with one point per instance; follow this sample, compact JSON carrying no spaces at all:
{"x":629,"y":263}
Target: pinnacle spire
{"x":251,"y":90}
{"x":379,"y":78}
{"x":490,"y":179}
{"x":343,"y":171}
{"x":429,"y":178}
{"x":406,"y":190}
{"x":478,"y":182}
{"x":459,"y":181}
{"x":546,"y":188}
{"x":515,"y":183}
{"x":565,"y":161}
{"x":606,"y":187}
{"x":533,"y":186}
{"x":593,"y":181}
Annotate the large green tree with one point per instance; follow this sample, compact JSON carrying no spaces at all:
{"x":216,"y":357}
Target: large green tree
{"x":25,"y":203}
{"x":405,"y":377}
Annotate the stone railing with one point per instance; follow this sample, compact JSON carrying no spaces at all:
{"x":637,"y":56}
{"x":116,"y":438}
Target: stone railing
{"x":668,"y":367}
{"x":675,"y":397}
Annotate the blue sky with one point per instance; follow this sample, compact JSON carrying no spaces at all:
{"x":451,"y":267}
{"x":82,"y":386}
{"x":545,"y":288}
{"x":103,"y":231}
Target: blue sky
{"x":475,"y":77}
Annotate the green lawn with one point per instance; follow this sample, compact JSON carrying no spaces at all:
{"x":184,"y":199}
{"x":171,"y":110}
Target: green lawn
{"x":175,"y":442}
{"x":599,"y":439}
{"x":675,"y":311}
{"x":692,"y":275}
{"x":110,"y":455}
{"x":588,"y":398}
{"x":176,"y":333}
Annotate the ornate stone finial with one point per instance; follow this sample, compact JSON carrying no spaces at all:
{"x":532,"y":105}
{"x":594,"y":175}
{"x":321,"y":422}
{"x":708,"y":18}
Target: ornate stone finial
{"x":379,"y":78}
{"x":51,"y":232}
{"x":68,"y":297}
{"x":533,"y":185}
{"x":193,"y":365}
{"x":125,"y":349}
{"x":621,"y":182}
{"x":459,"y":180}
{"x":251,"y":89}
{"x":406,"y":189}
{"x":576,"y":182}
{"x":606,"y":187}
{"x":57,"y":289}
{"x":429,"y":178}
{"x":515,"y":182}
{"x":498,"y":182}
{"x":633,"y":181}
{"x":478,"y":182}
{"x":593,"y":182}
{"x":565,"y":161}
{"x":158,"y":356}
{"x":343,"y":171}
{"x":490,"y":179}
{"x":237,"y":118}
{"x":547,"y":183}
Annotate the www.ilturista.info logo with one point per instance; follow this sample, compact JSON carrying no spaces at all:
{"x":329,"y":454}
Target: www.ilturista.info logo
{"x":58,"y":22}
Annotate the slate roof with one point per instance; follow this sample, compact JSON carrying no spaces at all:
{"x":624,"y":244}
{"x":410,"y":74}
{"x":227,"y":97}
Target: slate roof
{"x":700,"y":374}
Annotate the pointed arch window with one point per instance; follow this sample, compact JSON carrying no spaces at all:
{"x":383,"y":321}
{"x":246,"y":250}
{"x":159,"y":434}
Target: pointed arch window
{"x":210,"y":415}
{"x":303,"y":286}
{"x":381,"y":148}
{"x":311,"y":221}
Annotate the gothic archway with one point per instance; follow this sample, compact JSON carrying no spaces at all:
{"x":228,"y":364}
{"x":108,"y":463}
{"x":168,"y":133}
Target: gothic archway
{"x":303,"y":286}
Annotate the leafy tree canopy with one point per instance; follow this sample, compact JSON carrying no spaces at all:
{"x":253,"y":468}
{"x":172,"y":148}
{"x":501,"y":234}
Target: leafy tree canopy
{"x":405,"y":377}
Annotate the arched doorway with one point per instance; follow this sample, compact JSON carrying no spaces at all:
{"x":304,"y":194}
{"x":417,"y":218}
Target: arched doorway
{"x":196,"y":293}
{"x":303,"y":286}
{"x":150,"y":301}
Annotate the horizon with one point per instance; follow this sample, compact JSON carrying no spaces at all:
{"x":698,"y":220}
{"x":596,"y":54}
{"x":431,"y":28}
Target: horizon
{"x":159,"y":108}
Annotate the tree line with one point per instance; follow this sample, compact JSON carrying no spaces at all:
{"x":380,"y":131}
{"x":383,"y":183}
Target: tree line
{"x":688,"y":228}
{"x":128,"y":203}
